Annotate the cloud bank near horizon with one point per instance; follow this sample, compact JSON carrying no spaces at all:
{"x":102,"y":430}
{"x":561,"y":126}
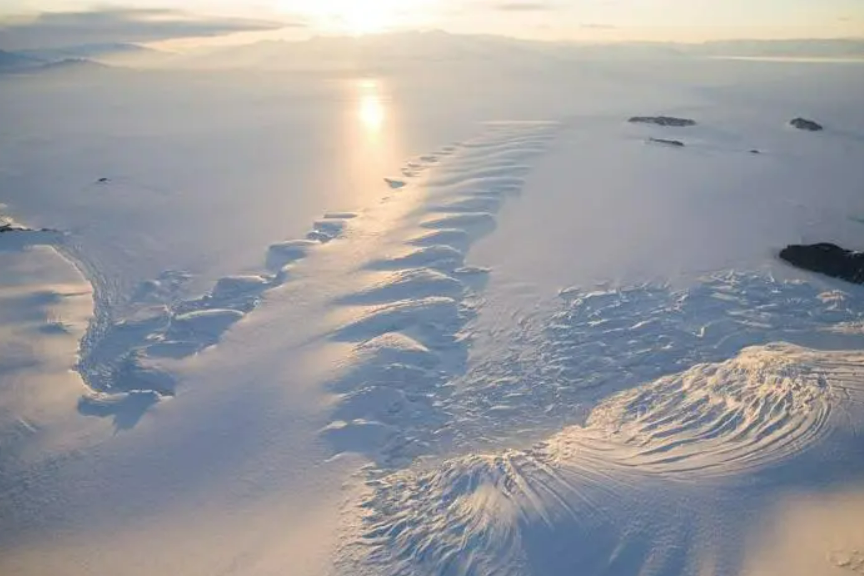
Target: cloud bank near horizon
{"x":116,"y":25}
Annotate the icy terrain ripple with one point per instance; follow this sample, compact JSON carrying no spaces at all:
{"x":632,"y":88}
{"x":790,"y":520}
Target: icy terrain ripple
{"x":645,"y":487}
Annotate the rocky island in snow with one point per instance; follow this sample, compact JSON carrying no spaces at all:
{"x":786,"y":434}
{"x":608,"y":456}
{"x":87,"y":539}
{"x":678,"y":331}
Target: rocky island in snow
{"x":828,"y":259}
{"x":805,"y":124}
{"x":663,"y":121}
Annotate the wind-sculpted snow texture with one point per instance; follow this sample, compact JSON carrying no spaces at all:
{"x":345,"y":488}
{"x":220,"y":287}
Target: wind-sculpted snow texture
{"x":550,"y":370}
{"x":605,"y":340}
{"x":649,"y":405}
{"x":409,"y":339}
{"x":419,"y":303}
{"x":605,"y":433}
{"x":119,"y":357}
{"x":646,"y":486}
{"x":705,"y":403}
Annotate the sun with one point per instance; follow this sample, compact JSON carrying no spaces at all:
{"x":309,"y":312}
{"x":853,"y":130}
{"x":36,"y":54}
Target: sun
{"x":356,"y":17}
{"x":368,"y":19}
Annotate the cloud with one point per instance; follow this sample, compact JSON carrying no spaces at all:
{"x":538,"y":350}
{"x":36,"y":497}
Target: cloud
{"x":55,"y":29}
{"x":524,"y":7}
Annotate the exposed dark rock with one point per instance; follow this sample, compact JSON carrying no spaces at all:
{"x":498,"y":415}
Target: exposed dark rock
{"x":663,"y":121}
{"x":103,"y":180}
{"x":13,"y":228}
{"x":828,"y":259}
{"x":804,"y":124}
{"x":754,"y":151}
{"x":676,"y":143}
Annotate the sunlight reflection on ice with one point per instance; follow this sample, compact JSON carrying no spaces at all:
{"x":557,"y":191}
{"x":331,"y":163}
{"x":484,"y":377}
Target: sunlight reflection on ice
{"x":371,"y":111}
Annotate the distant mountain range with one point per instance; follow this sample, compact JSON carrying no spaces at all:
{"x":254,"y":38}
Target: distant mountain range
{"x":13,"y":62}
{"x":406,"y":50}
{"x":105,"y":53}
{"x":83,"y":56}
{"x":399,"y":50}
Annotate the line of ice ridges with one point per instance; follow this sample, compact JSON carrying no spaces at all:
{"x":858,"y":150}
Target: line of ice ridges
{"x":116,"y":359}
{"x":409,"y":343}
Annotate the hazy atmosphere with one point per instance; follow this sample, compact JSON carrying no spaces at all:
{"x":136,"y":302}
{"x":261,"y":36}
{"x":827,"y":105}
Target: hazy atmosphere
{"x":432,"y":288}
{"x":30,"y":22}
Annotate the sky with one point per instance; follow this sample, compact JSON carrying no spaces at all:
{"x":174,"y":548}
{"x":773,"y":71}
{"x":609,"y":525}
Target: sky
{"x":41,"y":23}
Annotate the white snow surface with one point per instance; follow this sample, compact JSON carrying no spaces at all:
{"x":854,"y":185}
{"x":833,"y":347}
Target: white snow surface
{"x":423,"y":325}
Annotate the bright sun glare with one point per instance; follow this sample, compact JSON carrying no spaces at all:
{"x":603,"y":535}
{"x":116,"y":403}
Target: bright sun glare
{"x":371,"y":107}
{"x":352,"y":16}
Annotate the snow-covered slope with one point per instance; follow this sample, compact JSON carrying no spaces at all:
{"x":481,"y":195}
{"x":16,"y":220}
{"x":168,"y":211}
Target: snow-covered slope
{"x":663,"y":479}
{"x":45,"y":305}
{"x":423,"y":325}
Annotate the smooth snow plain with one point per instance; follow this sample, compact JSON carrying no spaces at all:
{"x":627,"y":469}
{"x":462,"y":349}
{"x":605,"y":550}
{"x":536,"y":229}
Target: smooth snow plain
{"x":468,"y":323}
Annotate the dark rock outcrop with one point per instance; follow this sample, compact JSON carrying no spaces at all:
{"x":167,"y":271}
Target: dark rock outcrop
{"x":804,"y":124}
{"x":16,"y":228}
{"x":676,"y":143}
{"x":663,"y":121}
{"x":13,"y":228}
{"x":828,"y":259}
